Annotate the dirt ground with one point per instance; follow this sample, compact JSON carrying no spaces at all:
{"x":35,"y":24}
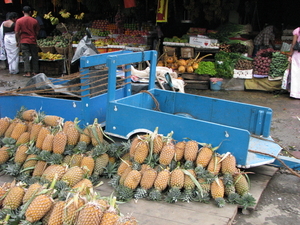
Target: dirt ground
{"x":279,"y":203}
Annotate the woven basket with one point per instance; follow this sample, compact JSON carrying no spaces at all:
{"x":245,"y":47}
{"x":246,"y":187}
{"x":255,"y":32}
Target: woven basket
{"x":62,"y":51}
{"x":50,"y":49}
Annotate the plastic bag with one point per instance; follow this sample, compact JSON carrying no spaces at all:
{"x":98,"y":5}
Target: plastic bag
{"x":285,"y":79}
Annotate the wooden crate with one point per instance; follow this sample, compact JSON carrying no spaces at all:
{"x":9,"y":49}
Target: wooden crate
{"x":52,"y":68}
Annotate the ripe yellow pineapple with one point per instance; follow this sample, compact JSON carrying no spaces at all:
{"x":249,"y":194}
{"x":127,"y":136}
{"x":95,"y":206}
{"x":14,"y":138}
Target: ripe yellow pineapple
{"x":214,"y":165}
{"x":160,"y":184}
{"x":4,"y":154}
{"x":158,"y":142}
{"x":87,"y":164}
{"x":176,"y":184}
{"x":110,"y":216}
{"x":83,"y":186}
{"x":124,"y":175}
{"x":85,"y":136}
{"x":38,"y":208}
{"x":100,"y":164}
{"x":148,"y":178}
{"x":141,"y":151}
{"x":32,"y":190}
{"x":30,"y":162}
{"x":41,"y":137}
{"x":241,"y":183}
{"x":51,"y":171}
{"x":133,"y":179}
{"x":167,"y":154}
{"x":96,"y":133}
{"x":204,"y":156}
{"x":52,"y":120}
{"x":59,"y":142}
{"x":66,"y":125}
{"x":18,"y":130}
{"x":71,"y":210}
{"x":123,"y":166}
{"x":191,"y":151}
{"x":24,"y":138}
{"x":228,"y":164}
{"x":34,"y":131}
{"x":56,"y":216}
{"x":72,"y":133}
{"x":29,"y":115}
{"x":75,"y":160}
{"x":217,"y":190}
{"x":21,"y":154}
{"x":39,"y":168}
{"x":90,"y":214}
{"x":4,"y":124}
{"x":73,"y":176}
{"x":133,"y":145}
{"x":179,"y":150}
{"x":205,"y":185}
{"x":48,"y":143}
{"x":3,"y":190}
{"x":10,"y":128}
{"x":14,"y":197}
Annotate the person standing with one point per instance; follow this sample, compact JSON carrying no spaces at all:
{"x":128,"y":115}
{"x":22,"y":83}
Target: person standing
{"x":27,"y":30}
{"x":264,"y":39}
{"x":294,"y":58}
{"x":10,"y":44}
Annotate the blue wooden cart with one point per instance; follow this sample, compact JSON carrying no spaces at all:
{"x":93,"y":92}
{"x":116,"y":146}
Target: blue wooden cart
{"x":236,"y":127}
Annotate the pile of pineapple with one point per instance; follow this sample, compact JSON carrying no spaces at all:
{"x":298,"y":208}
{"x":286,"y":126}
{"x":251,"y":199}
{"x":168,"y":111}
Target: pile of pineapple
{"x":56,"y":165}
{"x":160,"y":168}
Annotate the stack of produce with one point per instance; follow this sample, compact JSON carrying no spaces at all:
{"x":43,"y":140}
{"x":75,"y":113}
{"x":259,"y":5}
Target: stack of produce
{"x":243,"y":64}
{"x":206,"y":67}
{"x":278,"y":64}
{"x":262,"y":61}
{"x":160,"y":168}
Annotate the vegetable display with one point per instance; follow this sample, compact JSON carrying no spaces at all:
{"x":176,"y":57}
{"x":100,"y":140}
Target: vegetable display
{"x":278,"y":64}
{"x":243,"y":64}
{"x":225,"y":62}
{"x":262,"y":61}
{"x":206,"y":67}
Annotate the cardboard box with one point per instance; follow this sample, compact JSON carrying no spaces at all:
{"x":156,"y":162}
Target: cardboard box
{"x":187,"y":52}
{"x":243,"y":74}
{"x":170,"y":50}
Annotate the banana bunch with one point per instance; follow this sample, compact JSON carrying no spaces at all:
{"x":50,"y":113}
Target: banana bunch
{"x":80,"y":16}
{"x":34,"y":14}
{"x":64,"y":14}
{"x":50,"y":56}
{"x":48,"y":15}
{"x":54,"y":20}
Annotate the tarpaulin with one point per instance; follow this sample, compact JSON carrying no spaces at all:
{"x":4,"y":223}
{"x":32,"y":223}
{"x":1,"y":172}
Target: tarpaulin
{"x":162,"y":11}
{"x":8,"y":1}
{"x":129,"y":3}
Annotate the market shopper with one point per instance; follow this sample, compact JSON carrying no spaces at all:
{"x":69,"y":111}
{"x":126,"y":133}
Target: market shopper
{"x":294,"y":58}
{"x":264,"y":39}
{"x":27,"y":30}
{"x":7,"y":34}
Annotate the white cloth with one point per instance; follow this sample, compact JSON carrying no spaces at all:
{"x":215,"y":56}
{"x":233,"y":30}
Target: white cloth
{"x":2,"y":49}
{"x":12,"y":52}
{"x":295,"y":76}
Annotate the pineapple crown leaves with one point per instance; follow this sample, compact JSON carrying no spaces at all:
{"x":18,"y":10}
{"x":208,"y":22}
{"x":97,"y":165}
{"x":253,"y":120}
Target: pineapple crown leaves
{"x":100,"y":149}
{"x":110,"y":170}
{"x":9,"y":142}
{"x":81,"y":147}
{"x":56,"y":159}
{"x":194,"y":180}
{"x":20,"y":112}
{"x":246,"y":201}
{"x":44,"y":155}
{"x":12,"y":169}
{"x":95,"y":126}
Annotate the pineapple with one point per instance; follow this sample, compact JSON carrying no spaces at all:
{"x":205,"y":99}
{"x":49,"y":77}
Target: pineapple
{"x":71,"y":210}
{"x":30,"y":163}
{"x":110,"y":216}
{"x":41,"y":137}
{"x":127,"y":220}
{"x":228,"y":164}
{"x":160,"y":184}
{"x":29,"y":115}
{"x":73,"y":133}
{"x":38,"y":208}
{"x":4,"y":124}
{"x":133,"y":145}
{"x":96,"y":133}
{"x":241,"y":183}
{"x":133,"y":179}
{"x":179,"y":150}
{"x":204,"y":156}
{"x":73,"y":176}
{"x":83,"y":186}
{"x":214,"y":165}
{"x":66,"y":125}
{"x":24,"y":138}
{"x":3,"y":190}
{"x":10,"y":128}
{"x":56,"y":216}
{"x":13,"y":199}
{"x":124,"y":175}
{"x":176,"y":183}
{"x":217,"y":192}
{"x":39,"y":168}
{"x":4,"y":154}
{"x":167,"y":154}
{"x":85,"y":136}
{"x":205,"y":185}
{"x":100,"y":163}
{"x":76,"y":160}
{"x":147,"y":182}
{"x":53,"y":170}
{"x":32,"y":190}
{"x":21,"y":155}
{"x":141,"y":151}
{"x":157,"y":141}
{"x":191,"y":151}
{"x":123,"y":166}
{"x":48,"y":143}
{"x":18,"y":130}
{"x":59,"y":142}
{"x":53,"y":121}
{"x":87,"y":164}
{"x":189,"y":185}
{"x":90,"y":214}
{"x":34,"y":131}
